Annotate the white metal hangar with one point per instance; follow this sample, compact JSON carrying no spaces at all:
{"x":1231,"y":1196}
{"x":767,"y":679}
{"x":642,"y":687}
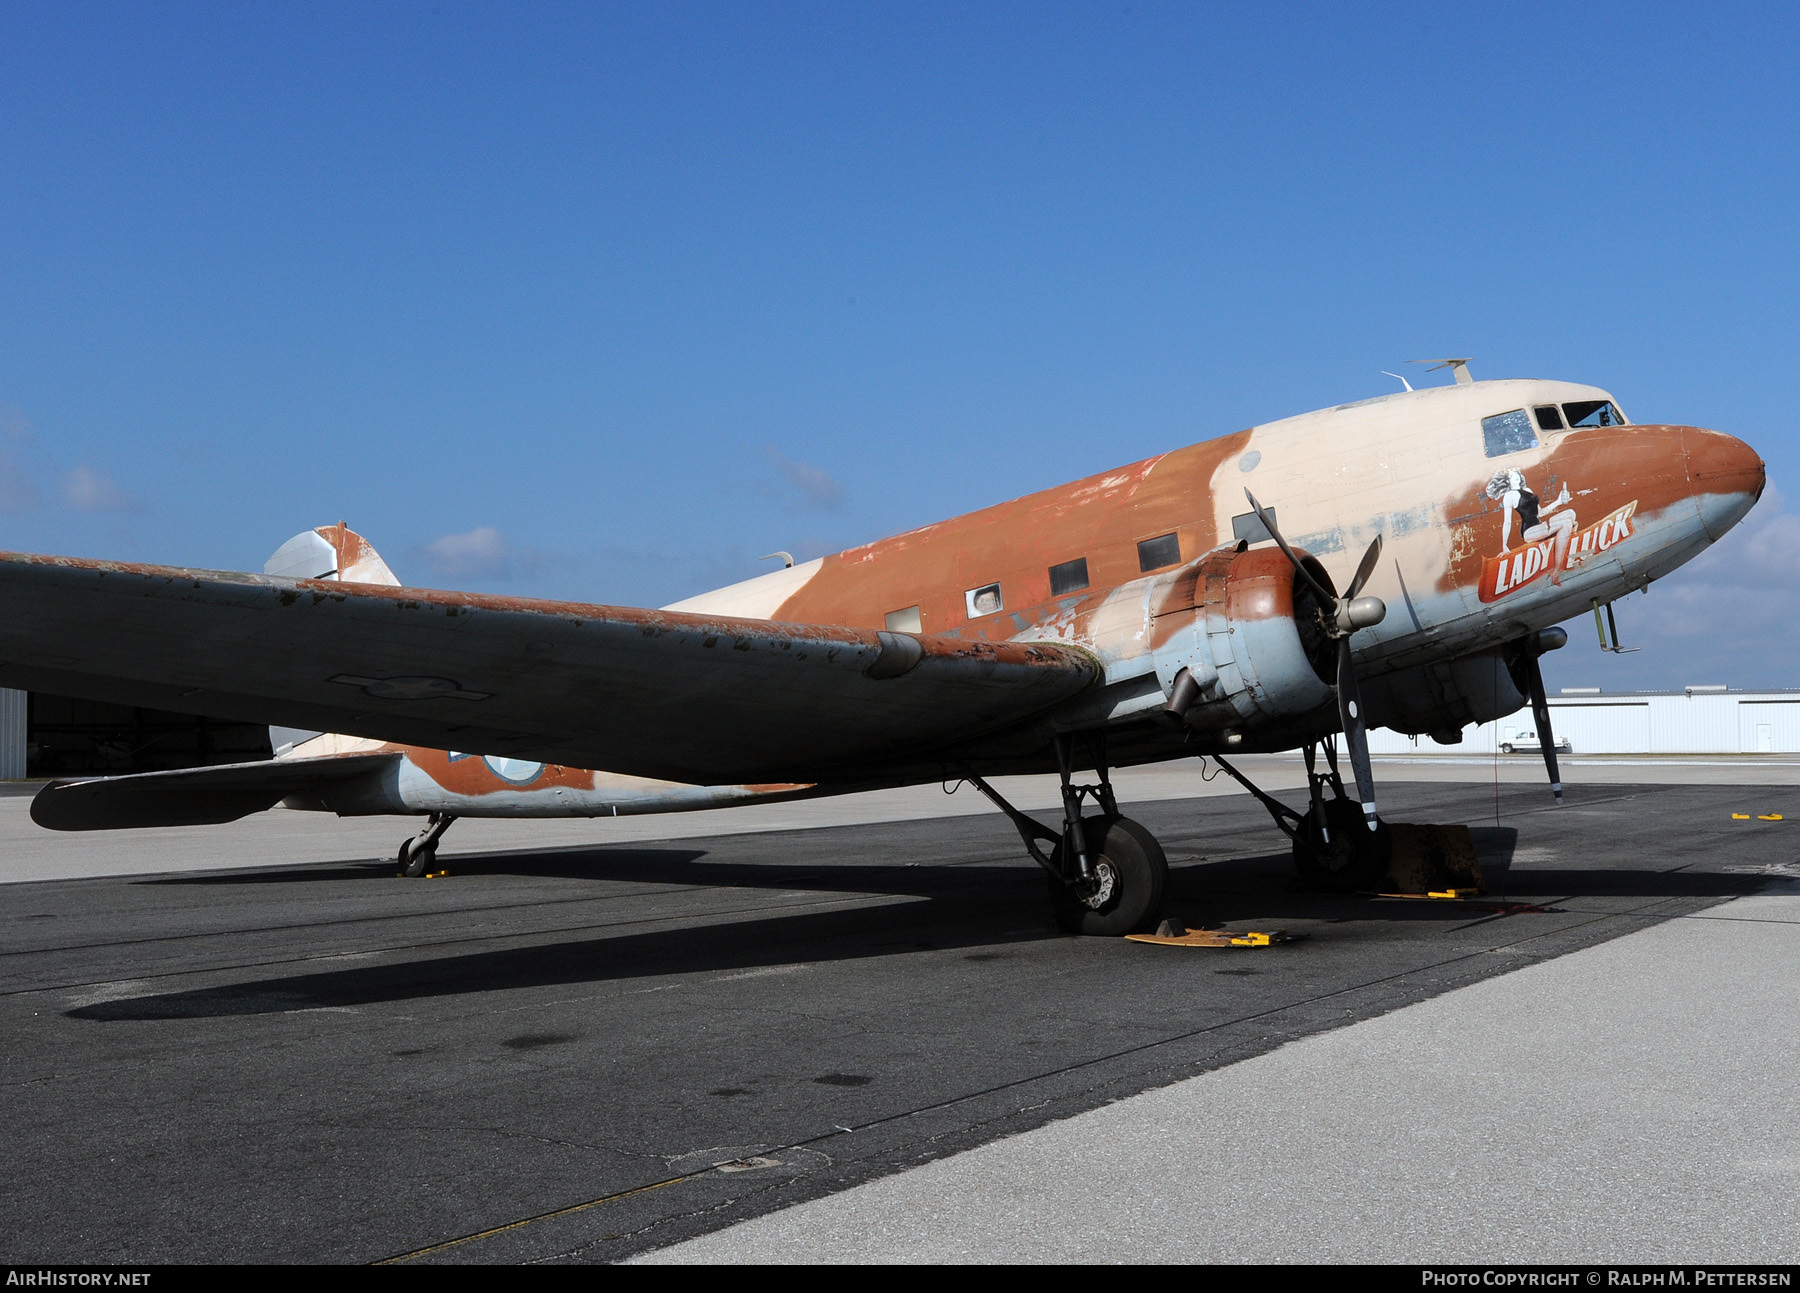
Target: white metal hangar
{"x":1695,"y":720}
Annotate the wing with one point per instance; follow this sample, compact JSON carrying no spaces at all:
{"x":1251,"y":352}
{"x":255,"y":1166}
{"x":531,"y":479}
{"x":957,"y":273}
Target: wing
{"x":680,"y":697}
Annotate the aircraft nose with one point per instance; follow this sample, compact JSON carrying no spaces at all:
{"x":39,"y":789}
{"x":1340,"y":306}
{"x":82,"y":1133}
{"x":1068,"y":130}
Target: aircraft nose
{"x":1727,"y":476}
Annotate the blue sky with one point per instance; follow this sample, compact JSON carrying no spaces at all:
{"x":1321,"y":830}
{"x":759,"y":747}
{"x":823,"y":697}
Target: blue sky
{"x":607,"y":301}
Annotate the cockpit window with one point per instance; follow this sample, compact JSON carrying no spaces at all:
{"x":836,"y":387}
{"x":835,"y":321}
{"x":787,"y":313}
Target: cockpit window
{"x":1548,"y":418}
{"x":1593,"y":413}
{"x":1508,"y":433}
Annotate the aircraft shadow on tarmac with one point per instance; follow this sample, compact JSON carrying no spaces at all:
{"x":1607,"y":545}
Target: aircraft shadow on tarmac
{"x":743,"y":944}
{"x":683,"y":866}
{"x":966,"y":905}
{"x":1264,"y":876}
{"x":575,"y":863}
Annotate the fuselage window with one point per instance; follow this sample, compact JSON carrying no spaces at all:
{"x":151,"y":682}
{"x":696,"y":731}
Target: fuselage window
{"x":1548,"y":418}
{"x":1508,"y":433}
{"x":1594,"y":413}
{"x":983,"y":601}
{"x":906,"y":621}
{"x":1163,"y":550}
{"x":1069,"y":577}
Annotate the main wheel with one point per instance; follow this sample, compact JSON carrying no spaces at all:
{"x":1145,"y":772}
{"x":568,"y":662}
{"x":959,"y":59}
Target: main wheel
{"x":1125,"y":893}
{"x":1354,"y":858}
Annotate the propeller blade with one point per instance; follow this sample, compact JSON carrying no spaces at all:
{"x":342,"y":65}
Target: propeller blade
{"x":1275,"y":534}
{"x":1356,"y":732}
{"x":1540,"y":710}
{"x":1366,"y":569}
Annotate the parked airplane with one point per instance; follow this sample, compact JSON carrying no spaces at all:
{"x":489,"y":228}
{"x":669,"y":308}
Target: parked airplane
{"x":1179,"y":606}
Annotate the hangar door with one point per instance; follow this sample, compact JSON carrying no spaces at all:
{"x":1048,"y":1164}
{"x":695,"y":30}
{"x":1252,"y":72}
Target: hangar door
{"x":1769,"y":728}
{"x":1604,"y":729}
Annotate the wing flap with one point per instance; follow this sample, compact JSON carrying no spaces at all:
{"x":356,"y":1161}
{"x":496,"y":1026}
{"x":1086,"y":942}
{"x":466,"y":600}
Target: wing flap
{"x":679,"y":697}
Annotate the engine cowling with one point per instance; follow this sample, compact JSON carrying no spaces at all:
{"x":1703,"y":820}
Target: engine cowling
{"x":1445,"y":696}
{"x":1247,"y":632}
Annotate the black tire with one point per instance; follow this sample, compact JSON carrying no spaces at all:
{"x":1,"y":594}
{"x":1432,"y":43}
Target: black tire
{"x":416,"y":861}
{"x":1355,"y":858}
{"x":1506,"y":749}
{"x":1133,"y":877}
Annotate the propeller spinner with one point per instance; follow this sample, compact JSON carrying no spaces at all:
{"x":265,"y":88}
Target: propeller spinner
{"x":1349,"y":613}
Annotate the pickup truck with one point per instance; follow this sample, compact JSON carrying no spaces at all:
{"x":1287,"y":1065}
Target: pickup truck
{"x":1528,"y":743}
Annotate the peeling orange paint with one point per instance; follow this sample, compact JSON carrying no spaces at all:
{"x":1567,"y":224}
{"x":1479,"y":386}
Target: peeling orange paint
{"x":1014,"y":544}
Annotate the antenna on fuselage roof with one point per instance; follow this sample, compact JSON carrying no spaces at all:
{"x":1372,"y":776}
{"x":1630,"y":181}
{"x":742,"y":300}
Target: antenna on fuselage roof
{"x":787,"y":559}
{"x":1398,"y":378}
{"x":1459,"y":368}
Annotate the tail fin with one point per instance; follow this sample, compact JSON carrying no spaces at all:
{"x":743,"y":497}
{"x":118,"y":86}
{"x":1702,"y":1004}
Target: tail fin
{"x":330,"y":552}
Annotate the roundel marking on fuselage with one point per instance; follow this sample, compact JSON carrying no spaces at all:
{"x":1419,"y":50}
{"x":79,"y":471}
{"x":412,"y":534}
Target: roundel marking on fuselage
{"x":520,"y":772}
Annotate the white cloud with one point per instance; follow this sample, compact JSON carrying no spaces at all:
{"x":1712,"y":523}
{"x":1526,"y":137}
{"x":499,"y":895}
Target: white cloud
{"x":479,"y":553}
{"x":1728,"y":616}
{"x":1744,"y":582}
{"x":809,"y":488}
{"x":88,"y":490}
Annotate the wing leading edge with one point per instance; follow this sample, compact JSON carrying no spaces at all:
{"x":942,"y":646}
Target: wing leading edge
{"x":684,"y":697}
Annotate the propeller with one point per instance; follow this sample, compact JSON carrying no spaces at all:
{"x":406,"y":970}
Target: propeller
{"x":1534,"y":647}
{"x":1348,"y":614}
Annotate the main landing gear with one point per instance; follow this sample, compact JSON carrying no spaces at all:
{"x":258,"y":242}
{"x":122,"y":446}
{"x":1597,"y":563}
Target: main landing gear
{"x":419,"y":854}
{"x":1333,"y":847}
{"x":1106,"y":873}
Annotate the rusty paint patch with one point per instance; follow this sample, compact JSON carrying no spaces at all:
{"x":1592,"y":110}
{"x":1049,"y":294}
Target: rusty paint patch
{"x":1015,"y":543}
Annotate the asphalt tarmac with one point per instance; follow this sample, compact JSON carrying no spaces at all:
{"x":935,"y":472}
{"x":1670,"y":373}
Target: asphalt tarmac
{"x":589,"y":1051}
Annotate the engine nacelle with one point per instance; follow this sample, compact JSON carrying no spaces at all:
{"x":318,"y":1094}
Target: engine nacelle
{"x":1445,"y":696}
{"x":1246,"y":631}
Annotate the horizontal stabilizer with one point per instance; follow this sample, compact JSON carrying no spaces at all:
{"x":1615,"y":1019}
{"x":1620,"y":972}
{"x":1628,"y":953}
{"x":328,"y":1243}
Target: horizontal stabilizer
{"x":192,"y":796}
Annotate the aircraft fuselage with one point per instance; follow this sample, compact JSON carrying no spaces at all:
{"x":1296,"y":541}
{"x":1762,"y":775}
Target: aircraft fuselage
{"x":1500,"y":517}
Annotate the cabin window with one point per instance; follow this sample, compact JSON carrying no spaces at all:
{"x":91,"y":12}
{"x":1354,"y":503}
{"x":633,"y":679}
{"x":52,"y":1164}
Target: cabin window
{"x":1069,"y":577}
{"x":983,"y":601}
{"x":906,"y":621}
{"x":1549,"y":419}
{"x":1163,"y":550}
{"x":1249,"y":527}
{"x":1594,"y":413}
{"x":1508,"y":433}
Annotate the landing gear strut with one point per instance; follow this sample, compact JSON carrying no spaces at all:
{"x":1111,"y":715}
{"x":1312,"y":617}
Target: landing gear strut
{"x":1106,"y":873}
{"x":1333,"y":847}
{"x":419,"y":853}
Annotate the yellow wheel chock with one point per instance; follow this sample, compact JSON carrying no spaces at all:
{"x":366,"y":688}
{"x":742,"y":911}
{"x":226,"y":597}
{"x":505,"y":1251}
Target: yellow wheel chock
{"x":1171,"y":934}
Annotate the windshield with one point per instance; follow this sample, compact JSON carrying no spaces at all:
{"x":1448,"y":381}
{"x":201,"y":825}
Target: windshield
{"x":1593,"y":413}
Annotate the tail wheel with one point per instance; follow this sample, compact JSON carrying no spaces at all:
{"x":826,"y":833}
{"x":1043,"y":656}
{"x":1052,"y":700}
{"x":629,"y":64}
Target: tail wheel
{"x":1125,"y":893}
{"x":416,"y":861}
{"x":1354,"y":857}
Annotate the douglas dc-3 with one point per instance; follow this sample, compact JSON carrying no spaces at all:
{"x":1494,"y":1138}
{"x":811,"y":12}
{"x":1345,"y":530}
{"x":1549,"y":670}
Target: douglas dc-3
{"x":1188,"y":604}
